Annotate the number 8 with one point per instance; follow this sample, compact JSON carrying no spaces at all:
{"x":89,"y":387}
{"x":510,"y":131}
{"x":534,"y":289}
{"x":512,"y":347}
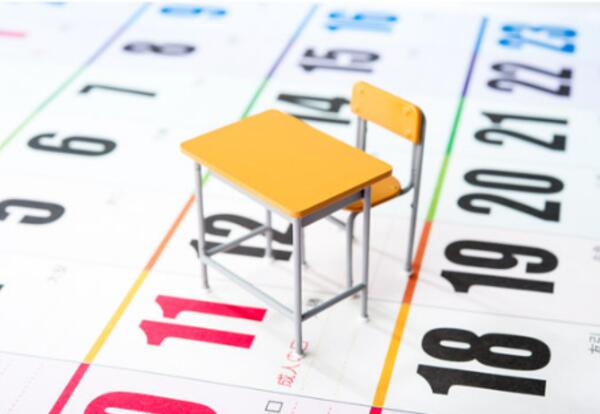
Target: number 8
{"x":481,"y":349}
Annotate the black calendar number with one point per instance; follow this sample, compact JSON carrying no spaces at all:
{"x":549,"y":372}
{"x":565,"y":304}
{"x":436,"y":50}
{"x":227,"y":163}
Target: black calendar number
{"x":167,"y":49}
{"x":509,"y":80}
{"x":480,"y":349}
{"x":495,"y":256}
{"x":550,"y":211}
{"x":463,"y":281}
{"x":50,"y":212}
{"x":352,"y":60}
{"x":500,"y":256}
{"x":88,"y":88}
{"x":441,"y":344}
{"x":496,"y":135}
{"x":76,"y":145}
{"x":477,"y":177}
{"x":441,"y":379}
{"x":472,"y":202}
{"x":319,"y":105}
{"x":210,"y":224}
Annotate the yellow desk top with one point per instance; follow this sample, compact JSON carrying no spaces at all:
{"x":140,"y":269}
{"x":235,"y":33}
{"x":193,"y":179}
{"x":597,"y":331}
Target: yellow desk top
{"x":285,"y":162}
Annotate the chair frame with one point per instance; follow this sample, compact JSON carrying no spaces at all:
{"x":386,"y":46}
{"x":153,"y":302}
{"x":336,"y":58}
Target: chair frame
{"x":414,"y":183}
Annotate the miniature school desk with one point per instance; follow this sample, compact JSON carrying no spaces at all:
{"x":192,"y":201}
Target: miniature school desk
{"x":299,"y":172}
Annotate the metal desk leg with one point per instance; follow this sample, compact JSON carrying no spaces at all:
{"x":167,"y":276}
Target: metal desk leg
{"x":269,"y":236}
{"x":297,"y":242}
{"x":349,"y":253}
{"x":365,"y":246}
{"x":303,"y":248}
{"x":200,"y":203}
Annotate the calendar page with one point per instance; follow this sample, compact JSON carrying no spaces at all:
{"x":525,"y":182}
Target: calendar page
{"x":102,"y":308}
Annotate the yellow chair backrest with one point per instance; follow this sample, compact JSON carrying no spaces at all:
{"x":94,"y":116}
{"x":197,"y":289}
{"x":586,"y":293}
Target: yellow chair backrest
{"x":389,"y":111}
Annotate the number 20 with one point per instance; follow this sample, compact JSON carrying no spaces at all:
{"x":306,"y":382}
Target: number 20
{"x":550,"y":212}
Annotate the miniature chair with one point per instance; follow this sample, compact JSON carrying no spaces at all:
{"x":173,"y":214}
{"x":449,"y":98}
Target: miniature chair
{"x":405,"y":119}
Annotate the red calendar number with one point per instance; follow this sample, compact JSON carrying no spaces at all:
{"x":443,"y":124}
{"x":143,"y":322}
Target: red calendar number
{"x":144,"y":403}
{"x":156,"y":332}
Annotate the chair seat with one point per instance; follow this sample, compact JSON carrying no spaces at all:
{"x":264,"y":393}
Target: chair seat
{"x":381,"y":191}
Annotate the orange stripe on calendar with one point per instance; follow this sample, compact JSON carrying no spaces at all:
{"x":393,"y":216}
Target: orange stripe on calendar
{"x":169,"y":234}
{"x":136,"y":285}
{"x":412,"y":281}
{"x":392,"y":353}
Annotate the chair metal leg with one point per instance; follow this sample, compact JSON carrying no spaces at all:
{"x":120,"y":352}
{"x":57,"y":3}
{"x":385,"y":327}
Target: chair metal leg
{"x":417,"y":162}
{"x":365,"y":249}
{"x":297,"y":255}
{"x":411,"y":235}
{"x":349,"y":253}
{"x":200,"y":203}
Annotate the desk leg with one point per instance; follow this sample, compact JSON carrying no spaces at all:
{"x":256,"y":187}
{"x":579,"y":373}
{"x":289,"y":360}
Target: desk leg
{"x":365,"y":247}
{"x":349,"y":252}
{"x":200,"y":203}
{"x":303,"y":248}
{"x":298,"y":284}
